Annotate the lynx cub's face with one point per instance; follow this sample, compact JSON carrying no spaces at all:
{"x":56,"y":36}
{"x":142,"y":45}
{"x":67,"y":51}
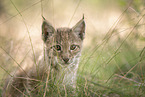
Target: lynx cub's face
{"x":63,"y":45}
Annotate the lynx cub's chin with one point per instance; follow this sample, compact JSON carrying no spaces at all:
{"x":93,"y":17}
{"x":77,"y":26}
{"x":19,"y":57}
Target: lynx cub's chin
{"x":58,"y":65}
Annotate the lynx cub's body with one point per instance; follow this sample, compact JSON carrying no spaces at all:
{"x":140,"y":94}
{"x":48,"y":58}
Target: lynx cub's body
{"x":58,"y":65}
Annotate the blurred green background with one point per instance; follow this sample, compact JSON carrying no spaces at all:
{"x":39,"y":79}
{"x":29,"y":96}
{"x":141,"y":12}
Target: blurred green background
{"x":113,"y":57}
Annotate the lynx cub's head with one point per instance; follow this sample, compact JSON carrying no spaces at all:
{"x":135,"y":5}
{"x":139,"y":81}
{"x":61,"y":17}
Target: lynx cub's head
{"x":63,"y":45}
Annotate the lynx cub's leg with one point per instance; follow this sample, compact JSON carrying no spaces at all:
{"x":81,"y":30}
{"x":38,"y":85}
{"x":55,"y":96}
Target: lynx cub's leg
{"x":15,"y":86}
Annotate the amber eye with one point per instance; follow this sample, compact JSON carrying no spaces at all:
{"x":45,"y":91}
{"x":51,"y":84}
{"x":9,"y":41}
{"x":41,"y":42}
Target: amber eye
{"x":57,"y":47}
{"x":73,"y":47}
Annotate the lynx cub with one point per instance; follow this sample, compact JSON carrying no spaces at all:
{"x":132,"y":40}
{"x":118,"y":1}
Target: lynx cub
{"x":58,"y":64}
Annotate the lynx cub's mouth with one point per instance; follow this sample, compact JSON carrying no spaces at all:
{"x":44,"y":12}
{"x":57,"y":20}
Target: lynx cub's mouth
{"x":63,"y":63}
{"x":67,"y":58}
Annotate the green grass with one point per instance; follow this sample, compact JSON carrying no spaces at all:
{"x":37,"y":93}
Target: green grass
{"x":114,"y":66}
{"x":121,"y":74}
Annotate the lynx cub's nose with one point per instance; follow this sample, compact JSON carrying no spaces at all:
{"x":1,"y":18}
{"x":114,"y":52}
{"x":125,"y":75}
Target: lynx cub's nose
{"x":66,"y":60}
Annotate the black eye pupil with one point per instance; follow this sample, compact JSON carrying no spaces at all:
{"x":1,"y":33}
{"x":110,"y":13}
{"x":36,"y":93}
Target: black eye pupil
{"x":72,"y":47}
{"x":57,"y":47}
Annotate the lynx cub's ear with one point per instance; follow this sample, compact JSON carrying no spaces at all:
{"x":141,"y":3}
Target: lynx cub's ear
{"x":79,"y":28}
{"x":47,"y":30}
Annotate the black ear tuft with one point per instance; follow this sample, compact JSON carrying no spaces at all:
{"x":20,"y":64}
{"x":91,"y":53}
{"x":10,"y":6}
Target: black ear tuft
{"x":79,"y":28}
{"x":47,"y":30}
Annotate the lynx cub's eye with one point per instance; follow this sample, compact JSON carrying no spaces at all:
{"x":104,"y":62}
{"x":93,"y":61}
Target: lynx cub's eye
{"x":57,"y":47}
{"x":73,"y":47}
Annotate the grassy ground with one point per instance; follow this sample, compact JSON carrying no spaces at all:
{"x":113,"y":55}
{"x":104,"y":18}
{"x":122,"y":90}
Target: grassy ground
{"x":113,"y":58}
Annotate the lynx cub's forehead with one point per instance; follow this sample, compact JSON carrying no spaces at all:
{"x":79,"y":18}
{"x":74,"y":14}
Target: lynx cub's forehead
{"x":64,"y":35}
